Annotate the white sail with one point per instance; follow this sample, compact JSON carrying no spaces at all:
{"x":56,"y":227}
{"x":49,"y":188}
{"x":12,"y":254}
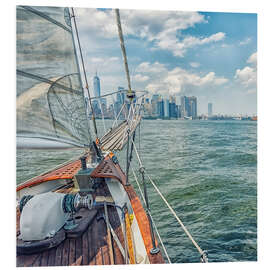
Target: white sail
{"x":50,"y":101}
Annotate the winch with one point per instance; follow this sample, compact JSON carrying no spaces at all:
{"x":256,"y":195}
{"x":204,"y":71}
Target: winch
{"x":45,"y":214}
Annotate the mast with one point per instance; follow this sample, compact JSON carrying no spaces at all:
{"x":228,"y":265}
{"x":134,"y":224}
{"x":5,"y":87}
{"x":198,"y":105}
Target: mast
{"x":130,"y":93}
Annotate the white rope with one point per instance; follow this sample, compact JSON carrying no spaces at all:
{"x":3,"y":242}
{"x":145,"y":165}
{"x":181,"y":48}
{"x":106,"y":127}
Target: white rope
{"x":204,"y":258}
{"x":177,"y":218}
{"x":118,"y":115}
{"x":159,"y":237}
{"x":114,"y":116}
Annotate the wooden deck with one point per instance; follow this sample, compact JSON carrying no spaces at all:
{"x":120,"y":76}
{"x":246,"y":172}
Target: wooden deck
{"x":90,"y":248}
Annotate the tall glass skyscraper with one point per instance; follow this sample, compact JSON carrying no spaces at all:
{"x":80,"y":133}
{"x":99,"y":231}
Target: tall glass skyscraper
{"x":185,"y":109}
{"x":96,"y":82}
{"x":189,"y":107}
{"x":193,"y":107}
{"x":166,"y":108}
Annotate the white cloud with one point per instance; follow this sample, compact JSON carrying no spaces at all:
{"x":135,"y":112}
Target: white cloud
{"x":163,"y":28}
{"x":253,"y":59}
{"x":194,"y":64}
{"x":247,"y":76}
{"x":156,"y":67}
{"x":245,"y":41}
{"x":96,"y":22}
{"x":140,"y":78}
{"x":179,"y":48}
{"x":165,"y":81}
{"x":96,"y":60}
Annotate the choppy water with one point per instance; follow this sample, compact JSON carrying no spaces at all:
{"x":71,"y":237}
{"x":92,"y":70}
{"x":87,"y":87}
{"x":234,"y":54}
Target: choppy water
{"x":207,"y":170}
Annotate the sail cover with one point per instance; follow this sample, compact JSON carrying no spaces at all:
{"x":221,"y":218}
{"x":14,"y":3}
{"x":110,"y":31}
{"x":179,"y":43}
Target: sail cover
{"x":50,"y":102}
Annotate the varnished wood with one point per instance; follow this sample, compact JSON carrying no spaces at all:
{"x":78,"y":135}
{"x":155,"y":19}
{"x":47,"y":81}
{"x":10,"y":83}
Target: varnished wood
{"x":144,"y":225}
{"x":91,"y":248}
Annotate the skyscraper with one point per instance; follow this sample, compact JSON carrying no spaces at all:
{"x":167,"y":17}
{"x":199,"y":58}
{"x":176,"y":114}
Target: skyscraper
{"x":172,"y":107}
{"x":189,"y":107}
{"x":96,"y":82}
{"x":161,"y":108}
{"x":185,"y":110}
{"x":193,"y":107}
{"x":154,"y":102}
{"x":210,"y":109}
{"x":166,"y":108}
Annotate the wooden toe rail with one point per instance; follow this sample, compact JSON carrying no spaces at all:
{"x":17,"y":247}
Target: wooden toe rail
{"x":66,"y":172}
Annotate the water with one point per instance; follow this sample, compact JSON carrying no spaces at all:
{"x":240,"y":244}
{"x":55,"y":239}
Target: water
{"x":207,"y":170}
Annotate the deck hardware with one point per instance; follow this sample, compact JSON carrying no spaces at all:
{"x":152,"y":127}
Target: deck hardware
{"x":83,"y":162}
{"x":97,"y":150}
{"x":125,"y":233}
{"x":204,"y":258}
{"x":154,"y":249}
{"x":129,"y":155}
{"x":70,"y":223}
{"x":114,"y":159}
{"x":72,"y":204}
{"x":127,"y":159}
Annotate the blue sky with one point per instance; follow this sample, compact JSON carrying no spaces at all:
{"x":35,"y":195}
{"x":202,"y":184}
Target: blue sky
{"x":207,"y":54}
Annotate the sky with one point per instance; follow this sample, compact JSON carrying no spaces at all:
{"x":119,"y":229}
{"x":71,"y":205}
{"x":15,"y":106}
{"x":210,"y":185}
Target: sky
{"x":211,"y":55}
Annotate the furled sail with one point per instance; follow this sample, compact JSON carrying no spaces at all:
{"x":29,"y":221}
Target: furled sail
{"x":50,"y":103}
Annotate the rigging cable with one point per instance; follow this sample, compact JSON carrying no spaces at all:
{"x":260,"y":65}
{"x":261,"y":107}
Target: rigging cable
{"x":159,"y":237}
{"x":202,"y":252}
{"x":84,"y":72}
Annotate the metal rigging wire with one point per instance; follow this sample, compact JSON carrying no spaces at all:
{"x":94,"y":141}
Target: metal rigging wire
{"x":84,"y":72}
{"x":202,"y":252}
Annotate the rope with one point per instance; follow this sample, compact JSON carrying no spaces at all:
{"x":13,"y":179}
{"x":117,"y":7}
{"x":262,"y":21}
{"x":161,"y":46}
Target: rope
{"x":177,"y":218}
{"x":203,"y":253}
{"x":159,"y":237}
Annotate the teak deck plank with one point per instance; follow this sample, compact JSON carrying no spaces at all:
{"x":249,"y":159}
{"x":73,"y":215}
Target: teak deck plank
{"x":51,"y":255}
{"x":65,"y":257}
{"x":85,"y":250}
{"x":37,"y":261}
{"x":99,"y":257}
{"x":91,"y":247}
{"x":59,"y":254}
{"x":72,"y":251}
{"x":44,"y":259}
{"x":78,"y":248}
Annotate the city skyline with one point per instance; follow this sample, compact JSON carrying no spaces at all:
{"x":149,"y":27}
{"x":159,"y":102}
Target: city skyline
{"x":210,"y":55}
{"x":155,"y":106}
{"x":165,"y":107}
